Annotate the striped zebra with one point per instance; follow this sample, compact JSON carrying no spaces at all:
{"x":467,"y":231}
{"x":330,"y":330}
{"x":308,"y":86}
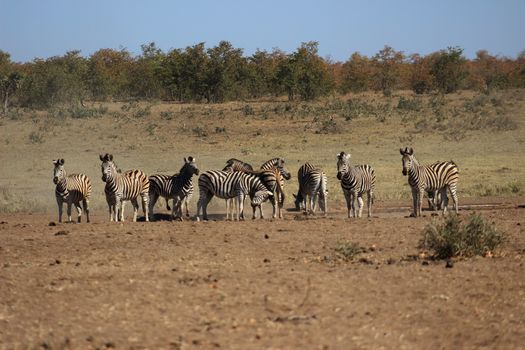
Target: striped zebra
{"x":226,"y":185}
{"x":178,"y":187}
{"x":436,"y":178}
{"x":312,"y":184}
{"x":127,"y":186}
{"x":233,"y":164}
{"x":272,"y":174}
{"x":72,"y":189}
{"x":355,"y":180}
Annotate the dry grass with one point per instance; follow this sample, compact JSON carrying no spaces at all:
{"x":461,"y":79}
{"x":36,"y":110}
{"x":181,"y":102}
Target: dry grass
{"x":484,"y":135}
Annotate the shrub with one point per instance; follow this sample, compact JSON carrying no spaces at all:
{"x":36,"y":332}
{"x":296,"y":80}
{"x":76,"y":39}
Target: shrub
{"x":248,"y":110}
{"x":347,"y":250}
{"x":35,"y":137}
{"x":409,"y":104}
{"x":452,"y":238}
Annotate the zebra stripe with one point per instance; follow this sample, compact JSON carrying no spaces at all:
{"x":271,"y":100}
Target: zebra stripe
{"x":71,"y":189}
{"x":178,"y":187}
{"x":355,"y":181}
{"x":123,"y":187}
{"x":437,"y":178}
{"x":228,"y":185}
{"x":312,"y":183}
{"x":233,"y":164}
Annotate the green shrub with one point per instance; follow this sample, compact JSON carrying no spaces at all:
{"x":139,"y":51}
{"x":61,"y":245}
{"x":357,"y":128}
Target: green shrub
{"x":453,"y":238}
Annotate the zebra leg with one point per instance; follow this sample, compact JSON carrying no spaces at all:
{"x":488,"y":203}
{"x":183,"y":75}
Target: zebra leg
{"x":121,"y":209}
{"x":186,"y":203}
{"x":153,"y":197}
{"x":240,"y":209}
{"x":204,"y":206}
{"x":360,"y":205}
{"x":261,"y":211}
{"x":69,"y":204}
{"x":421,"y":193}
{"x":145,"y":206}
{"x":60,"y":203}
{"x":85,"y":204}
{"x":414,"y":202}
{"x":369,"y":203}
{"x":453,"y":193}
{"x":348,"y":205}
{"x":444,"y":199}
{"x":79,"y":212}
{"x":135,"y":205}
{"x":352,"y":203}
{"x":274,"y":202}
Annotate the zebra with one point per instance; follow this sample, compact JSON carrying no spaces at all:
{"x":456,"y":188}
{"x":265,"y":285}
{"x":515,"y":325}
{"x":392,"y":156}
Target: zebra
{"x":272,"y":174}
{"x":233,"y":164}
{"x":227,"y":184}
{"x":355,"y":180}
{"x":313,"y":184}
{"x":72,"y":189}
{"x":436,"y":178}
{"x":178,"y":187}
{"x":121,"y":187}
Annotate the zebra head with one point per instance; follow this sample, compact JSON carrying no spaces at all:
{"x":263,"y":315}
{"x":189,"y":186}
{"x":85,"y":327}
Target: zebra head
{"x":298,"y":200}
{"x":189,"y":167}
{"x":343,"y":164}
{"x":107,"y":167}
{"x":59,"y":172}
{"x":407,"y":158}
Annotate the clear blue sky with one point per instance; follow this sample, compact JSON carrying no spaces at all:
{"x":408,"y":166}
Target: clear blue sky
{"x":44,"y":28}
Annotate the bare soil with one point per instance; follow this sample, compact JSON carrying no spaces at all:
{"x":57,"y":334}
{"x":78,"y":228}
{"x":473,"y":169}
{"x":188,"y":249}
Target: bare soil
{"x":257,"y":284}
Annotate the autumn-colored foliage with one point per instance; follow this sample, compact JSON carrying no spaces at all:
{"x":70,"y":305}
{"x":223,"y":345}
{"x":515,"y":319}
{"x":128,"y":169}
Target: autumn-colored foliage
{"x":223,"y":73}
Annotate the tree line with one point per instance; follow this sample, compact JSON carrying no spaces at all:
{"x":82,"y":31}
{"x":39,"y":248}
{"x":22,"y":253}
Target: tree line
{"x":223,"y":73}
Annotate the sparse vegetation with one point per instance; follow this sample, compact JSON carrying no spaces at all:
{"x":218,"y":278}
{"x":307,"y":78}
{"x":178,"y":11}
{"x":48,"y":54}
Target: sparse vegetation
{"x":452,"y":238}
{"x":347,"y":250}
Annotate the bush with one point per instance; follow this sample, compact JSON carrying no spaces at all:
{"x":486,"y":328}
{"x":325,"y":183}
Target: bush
{"x":36,"y":138}
{"x":347,"y":250}
{"x":451,"y":239}
{"x":409,"y":104}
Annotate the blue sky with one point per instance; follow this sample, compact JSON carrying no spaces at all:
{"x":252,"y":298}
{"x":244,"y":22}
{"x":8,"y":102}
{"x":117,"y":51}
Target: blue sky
{"x":38,"y":28}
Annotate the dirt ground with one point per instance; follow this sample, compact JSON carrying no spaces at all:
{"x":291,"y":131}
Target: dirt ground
{"x":257,"y":284}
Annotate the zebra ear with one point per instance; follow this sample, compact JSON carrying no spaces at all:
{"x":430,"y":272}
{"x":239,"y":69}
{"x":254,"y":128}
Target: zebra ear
{"x":411,"y":151}
{"x":190,"y":159}
{"x":55,"y":162}
{"x":62,"y":161}
{"x":101,"y":157}
{"x":185,"y":160}
{"x":401,"y":151}
{"x":110,"y":157}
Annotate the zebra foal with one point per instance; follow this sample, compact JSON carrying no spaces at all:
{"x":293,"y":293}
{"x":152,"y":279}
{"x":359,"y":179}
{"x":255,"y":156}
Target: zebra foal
{"x":355,"y":181}
{"x":71,"y":189}
{"x":122,"y":187}
{"x":434,"y":178}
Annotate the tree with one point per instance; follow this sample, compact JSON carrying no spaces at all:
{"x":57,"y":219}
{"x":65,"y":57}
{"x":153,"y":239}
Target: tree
{"x":448,"y":69}
{"x":9,"y":79}
{"x":357,"y":72}
{"x":421,"y":81}
{"x":388,"y":69}
{"x":109,"y":73}
{"x":145,"y":73}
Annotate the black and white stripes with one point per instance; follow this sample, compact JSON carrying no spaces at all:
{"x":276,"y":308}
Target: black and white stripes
{"x":437,"y":178}
{"x":355,"y":181}
{"x":227,"y":184}
{"x":71,"y":189}
{"x":123,"y":187}
{"x":312,"y":186}
{"x":178,"y":187}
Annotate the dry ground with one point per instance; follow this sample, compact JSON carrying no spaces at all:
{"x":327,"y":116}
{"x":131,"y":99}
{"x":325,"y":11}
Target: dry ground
{"x":263,"y":284}
{"x":256,"y":284}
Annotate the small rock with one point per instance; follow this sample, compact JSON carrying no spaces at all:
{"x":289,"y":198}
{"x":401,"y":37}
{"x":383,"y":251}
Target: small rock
{"x":424,"y":262}
{"x":266,"y":236}
{"x":450,"y":264}
{"x":266,"y":260}
{"x":57,"y":261}
{"x":52,"y":223}
{"x":110,"y":345}
{"x":61,"y":233}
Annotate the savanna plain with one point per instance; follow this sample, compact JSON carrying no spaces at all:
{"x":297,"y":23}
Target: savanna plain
{"x":305,"y":281}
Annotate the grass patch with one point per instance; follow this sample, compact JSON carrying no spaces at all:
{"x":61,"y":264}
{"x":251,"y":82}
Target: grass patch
{"x":347,"y":250}
{"x":454,"y":238}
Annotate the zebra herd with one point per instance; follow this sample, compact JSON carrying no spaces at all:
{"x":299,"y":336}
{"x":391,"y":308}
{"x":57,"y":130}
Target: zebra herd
{"x":238,"y":180}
